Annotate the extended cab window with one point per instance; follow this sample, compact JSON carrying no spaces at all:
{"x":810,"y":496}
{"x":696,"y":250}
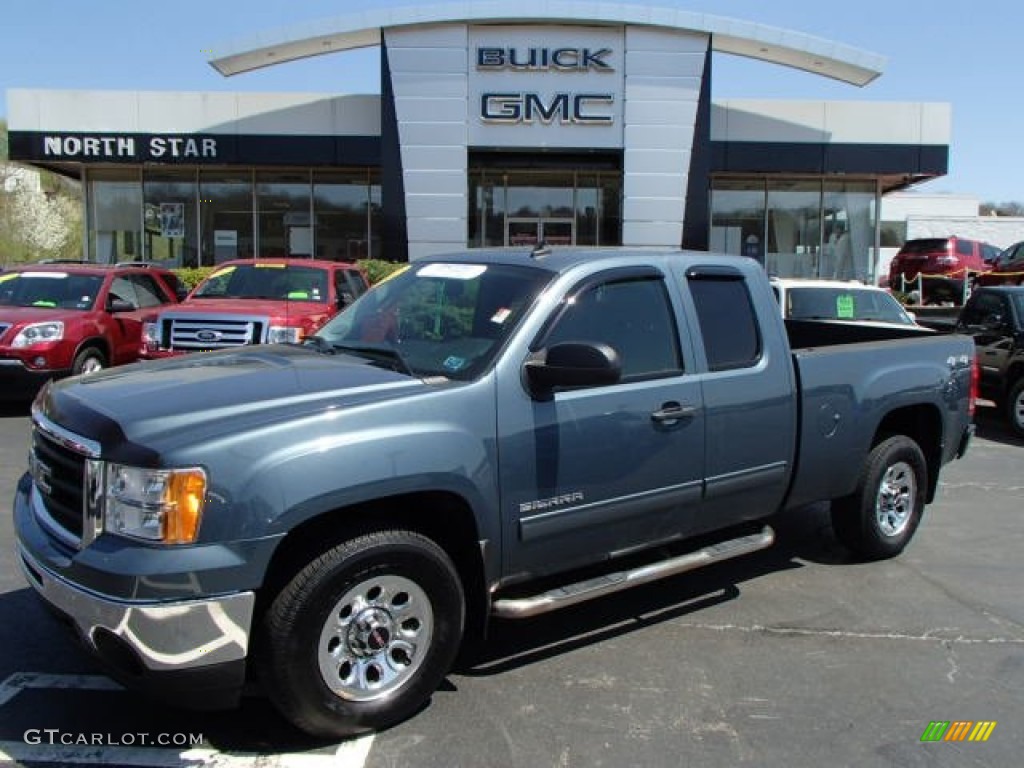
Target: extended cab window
{"x":727,"y":321}
{"x":632,"y":316}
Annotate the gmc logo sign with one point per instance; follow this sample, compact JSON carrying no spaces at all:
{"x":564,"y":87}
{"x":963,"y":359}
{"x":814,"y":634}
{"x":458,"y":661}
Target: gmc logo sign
{"x":578,"y":108}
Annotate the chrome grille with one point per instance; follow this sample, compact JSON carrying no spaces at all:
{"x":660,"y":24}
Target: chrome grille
{"x":196,"y":333}
{"x":59,"y":474}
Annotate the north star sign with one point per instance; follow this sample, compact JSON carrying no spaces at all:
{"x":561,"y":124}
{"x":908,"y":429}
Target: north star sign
{"x":114,"y":147}
{"x":511,"y":107}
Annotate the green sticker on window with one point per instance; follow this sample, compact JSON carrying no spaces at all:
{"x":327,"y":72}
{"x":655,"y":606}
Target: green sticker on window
{"x":844,"y":307}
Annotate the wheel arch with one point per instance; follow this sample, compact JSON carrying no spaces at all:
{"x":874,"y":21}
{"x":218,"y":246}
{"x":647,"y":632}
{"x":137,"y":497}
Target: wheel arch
{"x":923,"y":424}
{"x":93,"y":342}
{"x":450,"y":524}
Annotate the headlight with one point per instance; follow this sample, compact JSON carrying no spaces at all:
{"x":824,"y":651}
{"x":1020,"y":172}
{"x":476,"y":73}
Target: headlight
{"x":163,"y":505}
{"x":37,"y":333}
{"x":284,"y":334}
{"x":150,"y":334}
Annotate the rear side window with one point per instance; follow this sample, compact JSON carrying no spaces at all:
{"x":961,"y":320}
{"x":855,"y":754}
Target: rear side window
{"x":728,"y":325}
{"x":965,"y":247}
{"x":927,"y":245}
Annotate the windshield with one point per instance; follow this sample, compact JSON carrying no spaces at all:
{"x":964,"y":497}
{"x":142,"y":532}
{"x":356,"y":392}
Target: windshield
{"x":51,"y":290}
{"x":844,"y":304}
{"x":265,"y":281}
{"x":436,"y":319}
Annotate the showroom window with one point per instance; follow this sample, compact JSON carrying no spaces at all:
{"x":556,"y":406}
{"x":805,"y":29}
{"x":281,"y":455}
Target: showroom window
{"x":114,"y":216}
{"x":284,"y":214}
{"x":512,"y":207}
{"x":170,"y":218}
{"x":820,"y":228}
{"x":226,"y":216}
{"x":348,"y":216}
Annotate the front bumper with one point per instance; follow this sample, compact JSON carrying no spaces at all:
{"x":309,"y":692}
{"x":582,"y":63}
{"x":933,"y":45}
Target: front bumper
{"x":192,"y":652}
{"x":19,"y":382}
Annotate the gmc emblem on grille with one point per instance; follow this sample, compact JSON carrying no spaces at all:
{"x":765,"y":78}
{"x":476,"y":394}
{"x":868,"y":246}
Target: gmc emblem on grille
{"x":207,"y":335}
{"x":41,"y":473}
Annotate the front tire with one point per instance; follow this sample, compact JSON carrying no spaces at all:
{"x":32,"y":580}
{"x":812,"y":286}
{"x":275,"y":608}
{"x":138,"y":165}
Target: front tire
{"x":880,"y":517}
{"x":89,"y":360}
{"x":362,"y":636}
{"x":1015,"y":408}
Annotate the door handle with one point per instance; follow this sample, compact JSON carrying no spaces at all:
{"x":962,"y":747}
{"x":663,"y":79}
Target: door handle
{"x":672,"y":412}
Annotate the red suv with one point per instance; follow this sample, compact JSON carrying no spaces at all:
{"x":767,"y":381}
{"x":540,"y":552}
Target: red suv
{"x":1008,"y":269}
{"x":62,"y":319}
{"x":255,"y":301}
{"x":947,"y":267}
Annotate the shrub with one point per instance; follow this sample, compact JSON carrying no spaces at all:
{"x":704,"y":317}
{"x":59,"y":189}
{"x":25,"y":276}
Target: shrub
{"x":378,"y":269}
{"x":192,"y":276}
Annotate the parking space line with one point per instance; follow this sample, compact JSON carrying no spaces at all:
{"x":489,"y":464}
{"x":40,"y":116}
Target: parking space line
{"x":349,"y":754}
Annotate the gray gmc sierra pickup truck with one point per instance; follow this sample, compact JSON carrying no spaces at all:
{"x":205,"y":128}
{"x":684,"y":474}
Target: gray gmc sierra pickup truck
{"x":494,"y":433}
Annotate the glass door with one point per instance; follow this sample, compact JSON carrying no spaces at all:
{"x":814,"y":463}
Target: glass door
{"x":532,"y":231}
{"x":558,"y":231}
{"x":524,"y":232}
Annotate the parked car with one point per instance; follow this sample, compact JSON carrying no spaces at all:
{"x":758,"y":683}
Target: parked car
{"x":255,"y":301}
{"x":994,"y":316}
{"x":1008,"y":268}
{"x":946,"y":266}
{"x":839,"y":301}
{"x":533,"y":430}
{"x":65,"y":318}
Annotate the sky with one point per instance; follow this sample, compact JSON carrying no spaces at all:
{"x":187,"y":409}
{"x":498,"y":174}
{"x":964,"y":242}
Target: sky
{"x":958,"y":53}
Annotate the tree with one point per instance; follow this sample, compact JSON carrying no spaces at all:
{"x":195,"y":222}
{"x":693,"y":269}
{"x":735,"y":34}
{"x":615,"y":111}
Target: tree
{"x":1001,"y":209}
{"x":40,"y":212}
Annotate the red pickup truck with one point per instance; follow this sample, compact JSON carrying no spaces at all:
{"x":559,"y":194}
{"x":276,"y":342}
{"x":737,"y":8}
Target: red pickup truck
{"x":62,"y":319}
{"x":254,"y":301}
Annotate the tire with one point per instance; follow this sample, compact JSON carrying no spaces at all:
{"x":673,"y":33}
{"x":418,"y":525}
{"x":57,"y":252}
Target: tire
{"x":89,"y":360}
{"x":880,"y":517}
{"x":1014,"y":406}
{"x":361,"y":637}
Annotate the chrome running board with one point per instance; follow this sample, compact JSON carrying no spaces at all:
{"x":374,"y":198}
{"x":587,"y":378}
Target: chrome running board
{"x":571,"y":594}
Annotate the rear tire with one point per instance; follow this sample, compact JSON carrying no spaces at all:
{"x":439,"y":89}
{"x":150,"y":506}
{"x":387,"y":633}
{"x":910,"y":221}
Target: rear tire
{"x":1014,"y":406}
{"x":880,"y":517}
{"x":362,"y":636}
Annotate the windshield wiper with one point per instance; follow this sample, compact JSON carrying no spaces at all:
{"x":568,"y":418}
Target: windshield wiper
{"x":377,"y":354}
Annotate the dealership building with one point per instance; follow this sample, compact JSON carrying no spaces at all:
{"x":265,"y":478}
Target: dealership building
{"x":498,"y":124}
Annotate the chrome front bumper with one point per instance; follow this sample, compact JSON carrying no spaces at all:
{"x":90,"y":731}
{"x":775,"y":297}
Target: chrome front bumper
{"x":165,"y":636}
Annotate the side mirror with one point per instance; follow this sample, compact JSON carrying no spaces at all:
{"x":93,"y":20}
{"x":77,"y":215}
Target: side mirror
{"x":571,"y":364}
{"x":116,"y":304}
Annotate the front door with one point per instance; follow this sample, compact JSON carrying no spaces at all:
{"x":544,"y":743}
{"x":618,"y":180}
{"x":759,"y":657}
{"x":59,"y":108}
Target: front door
{"x":594,"y":472}
{"x":532,"y":231}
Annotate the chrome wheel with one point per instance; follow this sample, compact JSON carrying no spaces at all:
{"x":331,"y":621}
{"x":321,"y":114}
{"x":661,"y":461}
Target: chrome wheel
{"x":91,"y":365}
{"x":897,"y":495}
{"x":375,"y":638}
{"x":1017,"y":410}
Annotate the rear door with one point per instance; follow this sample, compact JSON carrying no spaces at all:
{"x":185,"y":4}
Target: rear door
{"x":145,"y":294}
{"x":749,"y":395}
{"x":599,"y":471}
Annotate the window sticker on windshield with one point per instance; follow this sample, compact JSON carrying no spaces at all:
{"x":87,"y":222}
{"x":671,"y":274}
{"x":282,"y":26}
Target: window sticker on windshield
{"x":49,"y":275}
{"x":501,"y":315}
{"x":453,"y":363}
{"x":844,"y":307}
{"x":5,"y":278}
{"x":225,"y":271}
{"x":453,"y":271}
{"x":259,"y":265}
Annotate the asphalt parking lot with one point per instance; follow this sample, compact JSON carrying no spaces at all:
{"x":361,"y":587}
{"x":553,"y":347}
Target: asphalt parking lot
{"x":794,"y":656}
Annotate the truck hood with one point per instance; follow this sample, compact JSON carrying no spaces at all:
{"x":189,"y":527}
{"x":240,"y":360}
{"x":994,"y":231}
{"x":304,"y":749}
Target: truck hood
{"x":180,"y":399}
{"x":268,"y":307}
